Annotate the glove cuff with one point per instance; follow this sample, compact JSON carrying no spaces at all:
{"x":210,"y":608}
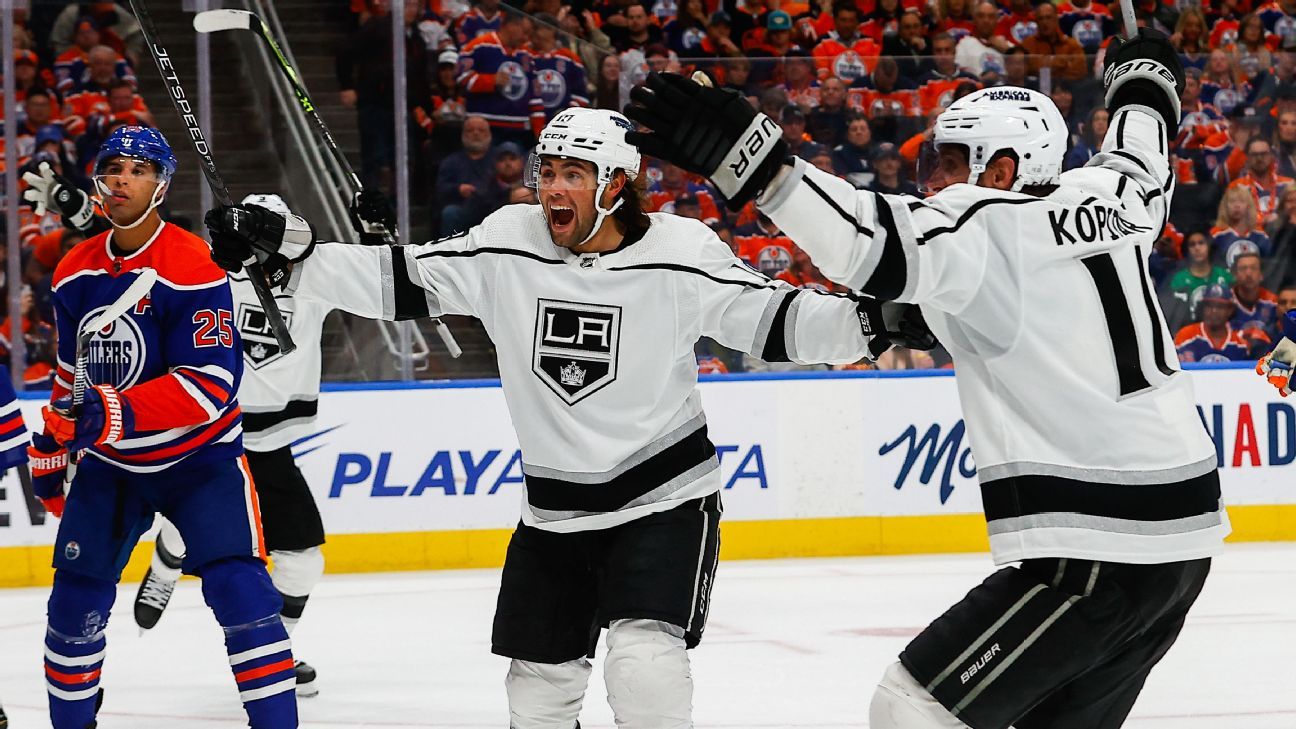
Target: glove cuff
{"x":43,"y":463}
{"x":118,"y":417}
{"x":745,"y":170}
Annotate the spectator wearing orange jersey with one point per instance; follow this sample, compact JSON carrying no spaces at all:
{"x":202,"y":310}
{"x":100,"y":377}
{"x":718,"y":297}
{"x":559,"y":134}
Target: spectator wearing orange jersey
{"x":764,"y":246}
{"x":936,"y":87}
{"x":38,"y":338}
{"x":955,"y":18}
{"x":802,"y":273}
{"x":750,"y":17}
{"x":1262,"y":178}
{"x":27,"y":73}
{"x":799,"y":82}
{"x":673,"y":185}
{"x":119,"y":98}
{"x":844,"y":53}
{"x":886,"y":93}
{"x":1050,"y":48}
{"x":982,"y":51}
{"x":883,"y":21}
{"x":1019,"y":24}
{"x":73,"y":67}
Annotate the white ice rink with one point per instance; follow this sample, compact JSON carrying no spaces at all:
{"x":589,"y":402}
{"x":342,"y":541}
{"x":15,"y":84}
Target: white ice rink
{"x":795,"y":643}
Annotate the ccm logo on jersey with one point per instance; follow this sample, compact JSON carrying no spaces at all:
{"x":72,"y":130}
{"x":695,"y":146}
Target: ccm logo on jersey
{"x":1089,"y":224}
{"x":576,"y":346}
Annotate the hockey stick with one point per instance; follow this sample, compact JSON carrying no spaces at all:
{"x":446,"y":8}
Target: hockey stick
{"x":180,"y":100}
{"x":138,"y":289}
{"x":1127,"y":15}
{"x":214,"y":21}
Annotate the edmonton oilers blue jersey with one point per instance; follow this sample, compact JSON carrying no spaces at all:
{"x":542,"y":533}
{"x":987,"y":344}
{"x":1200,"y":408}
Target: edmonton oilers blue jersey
{"x":559,"y":82}
{"x":13,"y":434}
{"x":174,"y":356}
{"x":505,"y":107}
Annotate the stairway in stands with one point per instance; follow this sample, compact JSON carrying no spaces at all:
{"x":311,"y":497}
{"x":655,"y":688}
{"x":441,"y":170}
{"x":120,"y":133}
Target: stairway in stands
{"x":243,"y":145}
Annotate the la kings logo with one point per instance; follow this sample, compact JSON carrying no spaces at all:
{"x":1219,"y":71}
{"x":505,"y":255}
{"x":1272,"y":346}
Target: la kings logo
{"x":260,"y":347}
{"x":576,"y":346}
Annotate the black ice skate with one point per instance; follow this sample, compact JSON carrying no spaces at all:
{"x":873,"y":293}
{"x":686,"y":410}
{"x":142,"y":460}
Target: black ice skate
{"x":306,"y":687}
{"x":152,"y":598}
{"x":4,"y":720}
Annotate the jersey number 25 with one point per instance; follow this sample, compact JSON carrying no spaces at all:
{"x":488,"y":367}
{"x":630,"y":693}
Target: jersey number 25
{"x":215,"y":328}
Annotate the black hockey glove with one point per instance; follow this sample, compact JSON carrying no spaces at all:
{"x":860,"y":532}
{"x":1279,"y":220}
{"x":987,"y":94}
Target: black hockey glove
{"x":891,"y":324}
{"x":47,"y":190}
{"x":708,"y":131}
{"x":239,"y":231}
{"x":372,"y":215}
{"x":1145,"y":70}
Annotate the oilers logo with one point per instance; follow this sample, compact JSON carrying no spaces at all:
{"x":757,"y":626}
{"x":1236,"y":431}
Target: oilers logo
{"x":1088,"y":33}
{"x":1285,"y":28}
{"x":773,"y":260}
{"x":1020,"y":31}
{"x":886,"y":107}
{"x":1227,"y":99}
{"x":848,"y":66}
{"x":517,"y":84}
{"x":551,"y":87}
{"x":115,"y":356}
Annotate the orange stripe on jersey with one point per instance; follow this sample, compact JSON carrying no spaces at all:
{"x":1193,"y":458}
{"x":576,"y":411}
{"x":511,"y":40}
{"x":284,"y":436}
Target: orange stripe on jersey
{"x":61,"y":677}
{"x":165,"y":453}
{"x":256,"y":507}
{"x":263,"y":671}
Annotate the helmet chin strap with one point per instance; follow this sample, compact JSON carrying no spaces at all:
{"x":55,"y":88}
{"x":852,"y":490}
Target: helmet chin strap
{"x":156,"y":200}
{"x":602,"y":213}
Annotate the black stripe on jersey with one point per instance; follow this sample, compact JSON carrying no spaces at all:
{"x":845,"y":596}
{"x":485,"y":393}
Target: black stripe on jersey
{"x":973,"y":210}
{"x":1120,"y":322}
{"x":859,"y":227}
{"x":1131,"y":158}
{"x":1016,"y":496}
{"x":1120,"y":130}
{"x":258,"y":422}
{"x":891,"y":273}
{"x":697,"y":272}
{"x":775,"y":349}
{"x":410,"y":298}
{"x":495,"y":251}
{"x":557,"y":495}
{"x":1120,"y":186}
{"x":1158,"y":342}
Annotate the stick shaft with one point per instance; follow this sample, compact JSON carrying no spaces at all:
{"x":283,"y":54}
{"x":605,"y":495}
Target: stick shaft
{"x":198,"y":141}
{"x":1127,"y":13}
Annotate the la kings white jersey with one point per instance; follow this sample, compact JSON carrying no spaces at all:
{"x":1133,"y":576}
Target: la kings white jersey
{"x":280,"y":392}
{"x":1085,"y":431}
{"x":595,"y":351}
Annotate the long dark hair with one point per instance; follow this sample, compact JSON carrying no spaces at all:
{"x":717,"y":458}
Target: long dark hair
{"x":631,"y":213}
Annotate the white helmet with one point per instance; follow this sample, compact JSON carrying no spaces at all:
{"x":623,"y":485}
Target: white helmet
{"x":1007,"y":118}
{"x":271,"y":202}
{"x":593,"y":135}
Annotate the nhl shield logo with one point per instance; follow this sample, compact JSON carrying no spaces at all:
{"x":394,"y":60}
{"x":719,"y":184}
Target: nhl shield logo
{"x":576,"y":347}
{"x":260,"y":347}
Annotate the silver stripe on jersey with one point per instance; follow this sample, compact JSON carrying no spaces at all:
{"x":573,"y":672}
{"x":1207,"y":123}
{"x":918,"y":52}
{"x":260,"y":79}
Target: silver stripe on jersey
{"x":1097,"y":475}
{"x":789,"y":330}
{"x":412,"y":269}
{"x":688,"y":428}
{"x":1072,"y":520}
{"x":387,"y":283}
{"x":767,"y":320}
{"x":657,"y":495}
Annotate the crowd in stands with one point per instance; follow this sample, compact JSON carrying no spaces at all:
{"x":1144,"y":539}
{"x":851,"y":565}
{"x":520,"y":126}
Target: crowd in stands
{"x":74,"y":78}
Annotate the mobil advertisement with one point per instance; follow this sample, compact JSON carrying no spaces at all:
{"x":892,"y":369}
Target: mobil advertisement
{"x":443,"y":457}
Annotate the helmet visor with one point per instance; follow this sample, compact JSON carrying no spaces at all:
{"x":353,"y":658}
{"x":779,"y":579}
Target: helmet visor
{"x":937,"y":171}
{"x":548,"y":172}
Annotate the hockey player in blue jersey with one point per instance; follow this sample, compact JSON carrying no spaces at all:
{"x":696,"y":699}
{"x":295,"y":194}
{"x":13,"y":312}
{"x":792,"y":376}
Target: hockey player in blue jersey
{"x":160,"y":431}
{"x":13,"y":443}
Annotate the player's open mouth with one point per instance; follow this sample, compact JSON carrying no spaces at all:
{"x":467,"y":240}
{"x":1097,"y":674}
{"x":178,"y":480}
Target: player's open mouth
{"x":561,"y":217}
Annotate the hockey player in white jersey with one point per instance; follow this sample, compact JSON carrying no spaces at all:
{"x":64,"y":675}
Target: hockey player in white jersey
{"x":279,"y":395}
{"x":1096,"y":473}
{"x":594,"y":308}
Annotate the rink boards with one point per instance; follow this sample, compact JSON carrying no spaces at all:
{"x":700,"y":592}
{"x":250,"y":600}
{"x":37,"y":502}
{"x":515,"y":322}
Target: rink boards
{"x":428,"y":476}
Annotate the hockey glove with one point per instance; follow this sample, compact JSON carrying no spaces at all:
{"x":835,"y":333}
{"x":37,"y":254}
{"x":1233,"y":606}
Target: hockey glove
{"x":894,"y":325}
{"x":1147,"y":71}
{"x":238,"y":231}
{"x":105,"y":417}
{"x":48,"y":190}
{"x":708,"y":131}
{"x":48,"y":462}
{"x":1277,"y":365}
{"x":372,"y":215}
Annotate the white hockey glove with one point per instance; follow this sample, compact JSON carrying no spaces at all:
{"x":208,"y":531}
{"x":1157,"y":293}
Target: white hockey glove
{"x":708,"y":131}
{"x":1147,"y":71}
{"x":47,"y":190}
{"x":1276,"y":367}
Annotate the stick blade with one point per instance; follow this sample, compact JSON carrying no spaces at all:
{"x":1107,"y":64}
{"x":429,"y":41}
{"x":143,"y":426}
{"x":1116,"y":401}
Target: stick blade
{"x":136,"y":291}
{"x":212,"y":21}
